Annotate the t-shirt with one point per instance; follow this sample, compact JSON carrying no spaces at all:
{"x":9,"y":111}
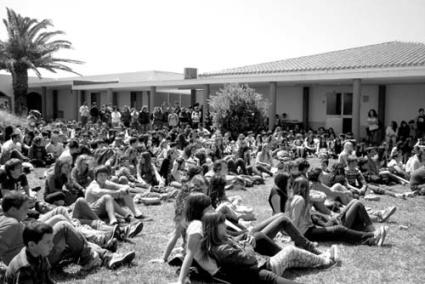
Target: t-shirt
{"x":6,"y":150}
{"x":11,"y":240}
{"x":116,"y":117}
{"x":93,"y":190}
{"x":84,"y":110}
{"x":413,"y":164}
{"x":418,"y":177}
{"x":55,"y":150}
{"x":354,"y":177}
{"x":207,"y":263}
{"x":7,"y":182}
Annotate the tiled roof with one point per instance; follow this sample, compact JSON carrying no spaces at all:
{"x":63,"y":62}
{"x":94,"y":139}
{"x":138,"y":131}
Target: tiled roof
{"x":384,"y":55}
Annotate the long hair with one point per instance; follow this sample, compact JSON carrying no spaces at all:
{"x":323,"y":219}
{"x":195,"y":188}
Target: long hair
{"x":211,"y":239}
{"x":146,"y":165}
{"x":216,"y":190}
{"x":79,"y":163}
{"x":57,"y":172}
{"x":301,"y":187}
{"x":281,"y":181}
{"x":195,"y":205}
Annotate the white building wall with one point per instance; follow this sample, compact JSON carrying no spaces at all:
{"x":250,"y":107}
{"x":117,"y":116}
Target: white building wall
{"x":317,"y":108}
{"x":403,"y":102}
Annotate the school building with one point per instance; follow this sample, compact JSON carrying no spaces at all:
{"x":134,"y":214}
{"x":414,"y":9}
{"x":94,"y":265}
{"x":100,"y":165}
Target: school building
{"x":334,"y":89}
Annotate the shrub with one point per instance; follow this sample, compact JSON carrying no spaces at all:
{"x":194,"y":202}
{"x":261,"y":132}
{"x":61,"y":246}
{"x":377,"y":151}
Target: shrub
{"x":238,"y":108}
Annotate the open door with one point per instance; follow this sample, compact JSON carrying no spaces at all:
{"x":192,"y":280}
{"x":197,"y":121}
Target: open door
{"x":339,"y":111}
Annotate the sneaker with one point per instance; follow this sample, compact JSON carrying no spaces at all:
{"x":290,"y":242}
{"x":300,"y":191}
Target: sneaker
{"x":135,"y":229}
{"x":384,"y":230}
{"x":93,"y":263}
{"x":386,"y":213}
{"x":121,"y":259}
{"x":111,"y":245}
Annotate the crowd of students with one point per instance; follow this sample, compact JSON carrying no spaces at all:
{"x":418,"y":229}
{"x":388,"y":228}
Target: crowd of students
{"x":97,"y":168}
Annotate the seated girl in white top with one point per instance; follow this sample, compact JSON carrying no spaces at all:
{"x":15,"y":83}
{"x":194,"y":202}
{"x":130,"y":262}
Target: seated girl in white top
{"x":196,"y":205}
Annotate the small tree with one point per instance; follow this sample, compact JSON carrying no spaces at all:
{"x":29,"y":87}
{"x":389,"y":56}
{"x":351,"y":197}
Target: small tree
{"x":238,"y":108}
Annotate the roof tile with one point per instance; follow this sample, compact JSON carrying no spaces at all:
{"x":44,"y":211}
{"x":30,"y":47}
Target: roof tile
{"x":388,"y":54}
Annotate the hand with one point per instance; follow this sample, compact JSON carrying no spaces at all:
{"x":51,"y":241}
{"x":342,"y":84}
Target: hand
{"x":123,"y":191}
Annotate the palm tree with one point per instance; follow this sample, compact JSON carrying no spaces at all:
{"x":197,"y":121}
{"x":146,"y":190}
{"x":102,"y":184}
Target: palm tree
{"x":30,"y":45}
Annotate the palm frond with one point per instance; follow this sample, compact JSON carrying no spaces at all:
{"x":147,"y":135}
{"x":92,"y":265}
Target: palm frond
{"x":31,"y":65}
{"x":38,"y":27}
{"x":45,"y":36}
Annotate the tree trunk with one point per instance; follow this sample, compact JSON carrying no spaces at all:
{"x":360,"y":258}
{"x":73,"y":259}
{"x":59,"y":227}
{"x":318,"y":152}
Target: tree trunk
{"x":20,"y":89}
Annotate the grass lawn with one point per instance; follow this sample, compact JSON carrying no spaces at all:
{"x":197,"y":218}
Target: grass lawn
{"x":400,"y":260}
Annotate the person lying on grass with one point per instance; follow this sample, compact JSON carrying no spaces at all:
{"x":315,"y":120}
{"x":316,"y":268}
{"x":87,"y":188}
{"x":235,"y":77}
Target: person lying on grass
{"x":355,"y":226}
{"x":68,"y":242}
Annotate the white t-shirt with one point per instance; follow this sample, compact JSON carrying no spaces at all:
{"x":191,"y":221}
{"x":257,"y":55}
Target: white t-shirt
{"x":115,"y":117}
{"x":207,"y":263}
{"x":84,"y":110}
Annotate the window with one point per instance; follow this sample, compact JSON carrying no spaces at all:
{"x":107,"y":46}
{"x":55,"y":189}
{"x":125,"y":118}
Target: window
{"x":83,"y":97}
{"x":94,"y":98}
{"x":348,"y":104}
{"x":115,"y":99}
{"x":333,"y":104}
{"x":133,"y":99}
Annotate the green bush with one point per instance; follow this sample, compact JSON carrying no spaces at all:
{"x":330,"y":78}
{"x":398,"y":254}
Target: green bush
{"x":238,"y":108}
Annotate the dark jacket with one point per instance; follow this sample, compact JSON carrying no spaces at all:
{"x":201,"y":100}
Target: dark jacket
{"x":144,"y":117}
{"x":25,"y":268}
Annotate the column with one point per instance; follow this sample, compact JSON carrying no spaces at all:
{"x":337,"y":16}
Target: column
{"x":152,"y":98}
{"x":108,"y":97}
{"x":44,"y":101}
{"x":382,"y":95}
{"x":76,"y":95}
{"x":357,"y":89}
{"x":306,"y":106}
{"x":206,"y":107}
{"x":192,"y":97}
{"x":273,"y":102}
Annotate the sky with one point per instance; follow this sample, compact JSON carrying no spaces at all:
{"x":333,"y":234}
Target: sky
{"x":169,"y":35}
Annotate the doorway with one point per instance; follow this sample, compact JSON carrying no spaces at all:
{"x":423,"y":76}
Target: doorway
{"x":34,"y":102}
{"x":339,"y":111}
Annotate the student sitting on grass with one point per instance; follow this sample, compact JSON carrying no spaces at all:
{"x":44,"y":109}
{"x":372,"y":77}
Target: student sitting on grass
{"x":59,"y":189}
{"x":82,"y":173}
{"x":357,"y":231}
{"x":12,"y":178}
{"x":31,"y":265}
{"x":240,"y":263}
{"x":102,"y":195}
{"x":68,"y":242}
{"x":417,"y":181}
{"x":356,"y":182}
